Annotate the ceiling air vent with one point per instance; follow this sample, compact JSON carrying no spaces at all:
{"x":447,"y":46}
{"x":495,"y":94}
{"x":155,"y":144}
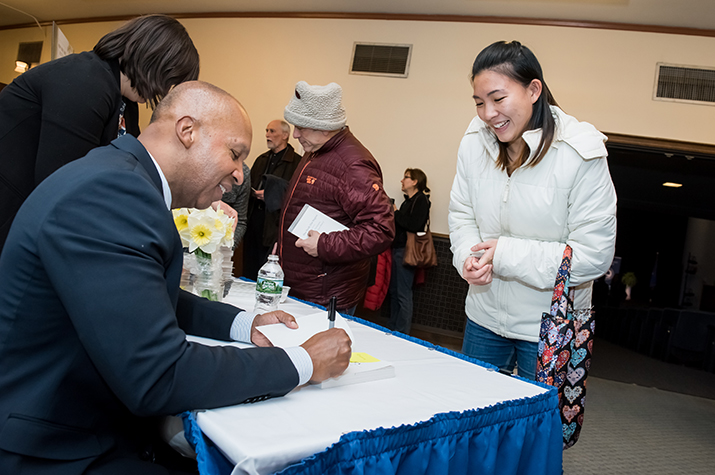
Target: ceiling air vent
{"x":684,"y":84}
{"x":381,"y":59}
{"x":30,"y":52}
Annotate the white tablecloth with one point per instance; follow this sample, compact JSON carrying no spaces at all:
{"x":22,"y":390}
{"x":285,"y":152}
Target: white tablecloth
{"x":265,"y":437}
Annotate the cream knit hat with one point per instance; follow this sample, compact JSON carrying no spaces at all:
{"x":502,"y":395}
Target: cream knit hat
{"x":316,"y":107}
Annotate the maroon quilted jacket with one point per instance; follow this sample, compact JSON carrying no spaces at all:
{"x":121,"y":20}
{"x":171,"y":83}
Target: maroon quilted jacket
{"x":343,"y":180}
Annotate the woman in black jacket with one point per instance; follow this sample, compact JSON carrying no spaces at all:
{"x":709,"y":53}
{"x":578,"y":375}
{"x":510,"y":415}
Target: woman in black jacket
{"x":412,"y":216}
{"x":58,"y":111}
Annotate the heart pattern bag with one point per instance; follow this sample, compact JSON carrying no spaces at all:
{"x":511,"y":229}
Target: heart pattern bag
{"x":565,"y":349}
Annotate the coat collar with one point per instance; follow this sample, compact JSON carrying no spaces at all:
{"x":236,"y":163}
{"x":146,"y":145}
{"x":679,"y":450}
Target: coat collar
{"x":416,"y":196}
{"x":131,"y":145}
{"x":334,"y":141}
{"x":289,"y":154}
{"x":583,"y":137}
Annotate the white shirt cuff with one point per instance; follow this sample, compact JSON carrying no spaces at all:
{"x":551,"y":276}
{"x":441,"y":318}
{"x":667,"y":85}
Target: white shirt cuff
{"x":241,"y":331}
{"x":241,"y":326}
{"x":302,"y":362}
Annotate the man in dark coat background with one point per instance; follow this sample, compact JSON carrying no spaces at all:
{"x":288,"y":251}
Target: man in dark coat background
{"x":270,"y":175}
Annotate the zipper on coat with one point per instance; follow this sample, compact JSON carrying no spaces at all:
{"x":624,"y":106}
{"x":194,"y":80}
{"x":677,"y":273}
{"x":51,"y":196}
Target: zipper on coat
{"x":502,"y":313}
{"x":505,"y":196}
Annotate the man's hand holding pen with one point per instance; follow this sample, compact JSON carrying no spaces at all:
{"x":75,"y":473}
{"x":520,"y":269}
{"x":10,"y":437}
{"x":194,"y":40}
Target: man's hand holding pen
{"x":330,"y":351}
{"x":336,"y":355}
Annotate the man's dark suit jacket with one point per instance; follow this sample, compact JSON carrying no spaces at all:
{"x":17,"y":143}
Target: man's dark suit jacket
{"x":284,"y":170}
{"x":92,"y":321}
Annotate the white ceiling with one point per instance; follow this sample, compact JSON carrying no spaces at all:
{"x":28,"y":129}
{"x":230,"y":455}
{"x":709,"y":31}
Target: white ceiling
{"x":675,"y":13}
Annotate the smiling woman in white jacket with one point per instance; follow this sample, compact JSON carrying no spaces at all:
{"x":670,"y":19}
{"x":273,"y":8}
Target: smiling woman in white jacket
{"x":530,"y":179}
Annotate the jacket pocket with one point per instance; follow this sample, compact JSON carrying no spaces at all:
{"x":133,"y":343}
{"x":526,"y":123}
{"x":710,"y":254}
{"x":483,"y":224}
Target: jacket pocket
{"x":33,"y":437}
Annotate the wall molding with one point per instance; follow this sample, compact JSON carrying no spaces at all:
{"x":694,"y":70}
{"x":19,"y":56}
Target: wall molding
{"x":601,"y":25}
{"x":635,"y":142}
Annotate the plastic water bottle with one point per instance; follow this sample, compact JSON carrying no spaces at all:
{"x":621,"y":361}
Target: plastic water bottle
{"x":269,"y":285}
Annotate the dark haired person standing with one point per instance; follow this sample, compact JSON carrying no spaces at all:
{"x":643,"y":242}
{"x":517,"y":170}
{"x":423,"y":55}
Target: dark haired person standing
{"x":412,"y":216}
{"x":57,"y":112}
{"x":530,"y":179}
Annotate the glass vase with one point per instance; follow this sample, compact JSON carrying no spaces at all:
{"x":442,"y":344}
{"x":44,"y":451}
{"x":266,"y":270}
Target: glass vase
{"x":207,"y":276}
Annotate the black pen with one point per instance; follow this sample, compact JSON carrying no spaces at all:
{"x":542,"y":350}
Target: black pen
{"x":331,"y":311}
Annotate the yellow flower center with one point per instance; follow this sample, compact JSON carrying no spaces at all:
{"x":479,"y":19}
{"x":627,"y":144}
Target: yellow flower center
{"x":182,"y":222}
{"x":201,"y":234}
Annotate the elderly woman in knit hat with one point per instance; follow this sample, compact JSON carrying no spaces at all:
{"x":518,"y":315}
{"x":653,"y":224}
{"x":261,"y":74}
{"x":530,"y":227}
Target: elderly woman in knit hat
{"x":340,"y":178}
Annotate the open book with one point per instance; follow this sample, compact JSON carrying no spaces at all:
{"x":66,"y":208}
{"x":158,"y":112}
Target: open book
{"x":308,"y":325}
{"x":362,"y":367}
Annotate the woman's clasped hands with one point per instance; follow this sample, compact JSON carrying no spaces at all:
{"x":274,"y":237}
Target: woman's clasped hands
{"x":478,"y":269}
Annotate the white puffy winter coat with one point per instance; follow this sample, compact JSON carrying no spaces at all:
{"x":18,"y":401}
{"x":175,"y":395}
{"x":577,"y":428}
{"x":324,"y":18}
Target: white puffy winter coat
{"x":567,"y":198}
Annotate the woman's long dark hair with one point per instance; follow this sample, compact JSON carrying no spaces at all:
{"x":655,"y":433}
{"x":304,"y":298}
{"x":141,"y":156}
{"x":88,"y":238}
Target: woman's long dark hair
{"x":155,"y":53}
{"x":517,"y":62}
{"x":420,"y":177}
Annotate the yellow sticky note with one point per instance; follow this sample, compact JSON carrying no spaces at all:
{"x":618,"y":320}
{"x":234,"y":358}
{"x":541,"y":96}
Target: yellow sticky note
{"x":362,"y":358}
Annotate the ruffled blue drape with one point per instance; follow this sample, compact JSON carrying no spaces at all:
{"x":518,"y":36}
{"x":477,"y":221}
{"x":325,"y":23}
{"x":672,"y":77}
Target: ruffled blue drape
{"x":521,"y":436}
{"x":515,"y":437}
{"x":209,"y":459}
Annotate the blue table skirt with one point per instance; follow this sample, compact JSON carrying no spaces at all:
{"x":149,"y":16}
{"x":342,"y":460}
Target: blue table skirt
{"x":521,"y":436}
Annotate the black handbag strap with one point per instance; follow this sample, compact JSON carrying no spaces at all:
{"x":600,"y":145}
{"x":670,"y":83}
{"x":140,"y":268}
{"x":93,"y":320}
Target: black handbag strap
{"x":426,"y":226}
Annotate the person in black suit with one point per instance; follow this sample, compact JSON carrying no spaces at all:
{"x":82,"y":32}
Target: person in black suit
{"x":92,"y":321}
{"x":58,"y":111}
{"x":270,"y":175}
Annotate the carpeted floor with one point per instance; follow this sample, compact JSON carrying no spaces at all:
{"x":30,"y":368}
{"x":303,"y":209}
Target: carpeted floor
{"x":633,"y":430}
{"x":644,"y":416}
{"x":616,"y":363}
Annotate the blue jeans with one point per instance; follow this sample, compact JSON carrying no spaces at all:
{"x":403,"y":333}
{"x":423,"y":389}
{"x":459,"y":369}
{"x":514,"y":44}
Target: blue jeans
{"x":489,"y":347}
{"x":401,"y":281}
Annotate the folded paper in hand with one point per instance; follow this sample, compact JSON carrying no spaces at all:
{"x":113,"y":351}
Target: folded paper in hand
{"x":310,"y":218}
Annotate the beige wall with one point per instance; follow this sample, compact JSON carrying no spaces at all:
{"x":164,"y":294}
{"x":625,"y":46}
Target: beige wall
{"x":600,"y":76}
{"x":9,"y":41}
